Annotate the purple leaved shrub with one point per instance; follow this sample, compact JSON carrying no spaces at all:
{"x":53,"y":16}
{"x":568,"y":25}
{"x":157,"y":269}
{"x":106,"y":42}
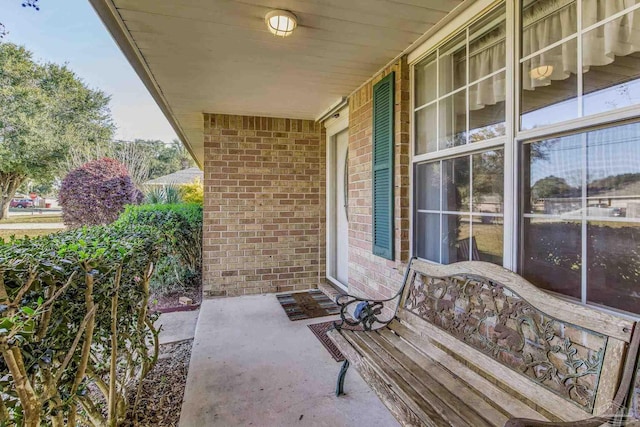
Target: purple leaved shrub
{"x":96,"y":193}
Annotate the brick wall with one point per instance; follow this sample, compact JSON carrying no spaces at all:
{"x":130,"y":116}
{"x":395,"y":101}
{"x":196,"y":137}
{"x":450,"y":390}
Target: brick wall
{"x":264,"y":215}
{"x":371,"y":275}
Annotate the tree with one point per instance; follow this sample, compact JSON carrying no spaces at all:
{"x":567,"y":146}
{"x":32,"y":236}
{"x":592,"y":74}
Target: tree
{"x":96,"y":193}
{"x":134,"y":156}
{"x":144,"y":159}
{"x":552,"y":186}
{"x":167,"y":158}
{"x":44,"y":110}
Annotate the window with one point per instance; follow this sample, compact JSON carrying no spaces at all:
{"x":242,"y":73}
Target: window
{"x":575,"y":67}
{"x":459,"y":208}
{"x":581,"y":220}
{"x":460,"y":99}
{"x":539,"y":173}
{"x":460,"y":88}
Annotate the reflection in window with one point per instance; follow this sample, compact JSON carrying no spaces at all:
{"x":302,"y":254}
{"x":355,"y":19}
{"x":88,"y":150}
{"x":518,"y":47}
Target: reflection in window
{"x":551,"y":255}
{"x":465,"y":90}
{"x":426,"y":83}
{"x":487,"y":108}
{"x":453,"y":121}
{"x":446,"y":230}
{"x":549,"y":93}
{"x":455,"y":184}
{"x":610,"y":62}
{"x":584,"y":183}
{"x":613,"y":264}
{"x":452,"y":62}
{"x":426,"y":129}
{"x":488,"y":182}
{"x":455,"y":235}
{"x":545,"y":22}
{"x":553,"y":174}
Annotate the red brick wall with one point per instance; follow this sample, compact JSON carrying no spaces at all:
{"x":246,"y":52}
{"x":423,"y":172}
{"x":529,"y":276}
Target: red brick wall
{"x":264,"y":215}
{"x":371,"y":275}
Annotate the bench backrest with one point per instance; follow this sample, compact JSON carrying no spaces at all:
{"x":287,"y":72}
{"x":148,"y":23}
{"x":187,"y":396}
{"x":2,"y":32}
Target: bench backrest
{"x":573,"y":351}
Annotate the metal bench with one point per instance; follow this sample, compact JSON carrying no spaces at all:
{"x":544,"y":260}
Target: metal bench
{"x":473,"y":344}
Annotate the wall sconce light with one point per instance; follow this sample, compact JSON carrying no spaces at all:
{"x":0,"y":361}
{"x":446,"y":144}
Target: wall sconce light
{"x":281,"y":22}
{"x":542,"y":72}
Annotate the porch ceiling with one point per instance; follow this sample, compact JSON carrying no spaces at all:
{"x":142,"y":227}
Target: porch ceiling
{"x":217,"y":56}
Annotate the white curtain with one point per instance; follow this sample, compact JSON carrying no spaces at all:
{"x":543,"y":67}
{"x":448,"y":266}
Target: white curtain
{"x":486,"y":56}
{"x":545,"y":23}
{"x":619,"y":37}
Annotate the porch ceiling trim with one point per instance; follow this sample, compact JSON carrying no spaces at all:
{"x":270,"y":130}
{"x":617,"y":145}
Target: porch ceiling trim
{"x":111,"y":19}
{"x":134,"y":25}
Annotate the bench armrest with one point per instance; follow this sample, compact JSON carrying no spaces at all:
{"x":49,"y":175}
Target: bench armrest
{"x":618,"y":400}
{"x":366,"y":311}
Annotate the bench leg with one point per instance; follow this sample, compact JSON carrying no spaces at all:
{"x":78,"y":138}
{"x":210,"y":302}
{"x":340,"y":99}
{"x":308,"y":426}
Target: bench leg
{"x":341,"y":375}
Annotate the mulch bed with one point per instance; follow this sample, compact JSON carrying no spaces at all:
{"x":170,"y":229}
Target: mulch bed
{"x":308,"y":304}
{"x":163,"y":389}
{"x":169,"y":303}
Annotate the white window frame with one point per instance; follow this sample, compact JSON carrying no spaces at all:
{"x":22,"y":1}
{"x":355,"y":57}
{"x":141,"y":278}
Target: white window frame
{"x":514,"y":137}
{"x":465,"y":20}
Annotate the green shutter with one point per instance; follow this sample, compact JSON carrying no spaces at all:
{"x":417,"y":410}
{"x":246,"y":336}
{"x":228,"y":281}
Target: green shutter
{"x":383,"y":101}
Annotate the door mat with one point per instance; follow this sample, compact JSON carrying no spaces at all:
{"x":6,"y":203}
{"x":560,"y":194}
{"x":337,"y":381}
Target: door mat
{"x":320,"y":331}
{"x":305,"y":305}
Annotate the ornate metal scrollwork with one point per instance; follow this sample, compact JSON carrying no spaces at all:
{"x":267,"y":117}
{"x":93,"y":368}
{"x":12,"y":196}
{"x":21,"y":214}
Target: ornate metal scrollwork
{"x":490,"y":317}
{"x":366,"y":313}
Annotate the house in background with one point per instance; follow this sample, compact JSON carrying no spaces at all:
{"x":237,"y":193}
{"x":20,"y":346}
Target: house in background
{"x":379,"y":130}
{"x":181,"y":177}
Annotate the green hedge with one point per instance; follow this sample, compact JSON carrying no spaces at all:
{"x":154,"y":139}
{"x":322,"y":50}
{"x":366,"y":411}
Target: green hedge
{"x":74,"y":313}
{"x":75,"y":330}
{"x":179,"y":228}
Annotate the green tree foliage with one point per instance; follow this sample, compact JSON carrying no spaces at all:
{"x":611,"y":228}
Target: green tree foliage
{"x":44,"y":110}
{"x":552,"y":186}
{"x":75,"y":327}
{"x":179,"y":233}
{"x":614,"y":182}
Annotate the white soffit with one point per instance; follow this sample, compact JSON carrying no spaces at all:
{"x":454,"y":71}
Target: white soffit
{"x":217,"y":56}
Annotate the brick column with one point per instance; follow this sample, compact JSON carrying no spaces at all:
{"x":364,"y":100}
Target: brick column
{"x":264,"y":214}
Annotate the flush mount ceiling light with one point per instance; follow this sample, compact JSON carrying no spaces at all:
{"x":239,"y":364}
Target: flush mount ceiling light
{"x":541,"y":72}
{"x":281,"y":22}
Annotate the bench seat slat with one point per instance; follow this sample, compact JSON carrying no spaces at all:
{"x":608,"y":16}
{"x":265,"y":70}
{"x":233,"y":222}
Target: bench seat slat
{"x":399,"y":386}
{"x":494,"y":402}
{"x":466,"y":402}
{"x":381,"y":387}
{"x":413,"y":345}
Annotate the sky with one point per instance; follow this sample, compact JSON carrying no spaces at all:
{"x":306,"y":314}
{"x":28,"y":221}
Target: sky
{"x":69,"y":31}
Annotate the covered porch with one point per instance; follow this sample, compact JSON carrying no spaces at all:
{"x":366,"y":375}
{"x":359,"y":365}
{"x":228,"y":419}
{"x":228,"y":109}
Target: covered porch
{"x":475,"y":130}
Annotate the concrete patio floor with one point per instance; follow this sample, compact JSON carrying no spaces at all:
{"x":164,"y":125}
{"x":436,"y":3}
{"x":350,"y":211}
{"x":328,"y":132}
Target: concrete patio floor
{"x":252,"y":366}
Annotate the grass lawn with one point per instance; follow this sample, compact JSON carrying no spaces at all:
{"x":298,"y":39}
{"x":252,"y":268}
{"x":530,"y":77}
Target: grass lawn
{"x":488,"y":238}
{"x":5,"y":234}
{"x":29,"y":219}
